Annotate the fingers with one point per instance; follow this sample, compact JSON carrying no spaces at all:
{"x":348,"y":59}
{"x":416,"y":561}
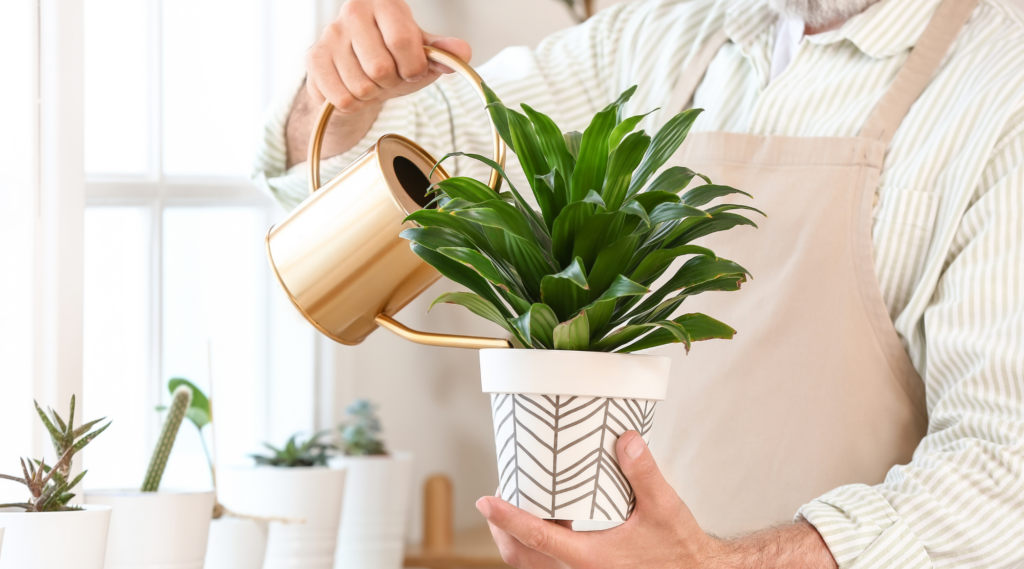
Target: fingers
{"x":455,"y":46}
{"x":652,"y":491}
{"x":516,"y":554}
{"x":403,"y":39}
{"x":530,"y":531}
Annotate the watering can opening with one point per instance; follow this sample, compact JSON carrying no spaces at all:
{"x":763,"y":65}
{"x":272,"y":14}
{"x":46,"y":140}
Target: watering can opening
{"x":413,"y":180}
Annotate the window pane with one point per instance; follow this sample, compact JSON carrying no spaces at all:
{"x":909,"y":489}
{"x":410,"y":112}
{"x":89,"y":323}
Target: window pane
{"x":117,"y":79}
{"x":212,"y":84}
{"x":215,"y":318}
{"x":118,"y":377}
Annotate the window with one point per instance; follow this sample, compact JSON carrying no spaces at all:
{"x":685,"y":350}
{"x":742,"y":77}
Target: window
{"x":176,"y":278}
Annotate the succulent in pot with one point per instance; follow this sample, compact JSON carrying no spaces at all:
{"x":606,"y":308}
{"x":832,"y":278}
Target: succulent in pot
{"x":375,"y":512}
{"x":47,"y":516}
{"x":595,"y":275}
{"x":154,"y":528}
{"x":294,"y":491}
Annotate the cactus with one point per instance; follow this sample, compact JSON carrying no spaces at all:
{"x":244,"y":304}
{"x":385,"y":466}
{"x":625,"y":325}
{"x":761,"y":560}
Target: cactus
{"x":180,"y":402}
{"x":50,"y":487}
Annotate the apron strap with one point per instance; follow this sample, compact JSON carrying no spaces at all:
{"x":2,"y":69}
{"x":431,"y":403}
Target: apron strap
{"x":919,"y":69}
{"x":694,"y":72}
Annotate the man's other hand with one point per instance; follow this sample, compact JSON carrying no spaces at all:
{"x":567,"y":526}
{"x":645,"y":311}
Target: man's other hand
{"x":661,"y":533}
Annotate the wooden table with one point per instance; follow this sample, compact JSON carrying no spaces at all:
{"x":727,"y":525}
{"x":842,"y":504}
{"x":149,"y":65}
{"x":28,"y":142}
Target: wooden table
{"x":471,"y":549}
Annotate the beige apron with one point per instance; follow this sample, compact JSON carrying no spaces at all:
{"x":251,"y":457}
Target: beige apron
{"x":816,"y":390}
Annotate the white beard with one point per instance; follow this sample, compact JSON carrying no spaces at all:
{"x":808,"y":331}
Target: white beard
{"x":819,"y":12}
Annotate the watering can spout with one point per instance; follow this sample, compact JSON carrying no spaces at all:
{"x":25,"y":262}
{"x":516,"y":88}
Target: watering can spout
{"x":338,"y":255}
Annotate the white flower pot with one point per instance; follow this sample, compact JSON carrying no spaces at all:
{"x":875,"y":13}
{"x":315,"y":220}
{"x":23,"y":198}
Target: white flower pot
{"x":375,"y":514}
{"x":1,"y":542}
{"x":310,"y":498}
{"x":55,"y":540}
{"x":155,"y":530}
{"x":557,"y":415}
{"x":236,"y":543}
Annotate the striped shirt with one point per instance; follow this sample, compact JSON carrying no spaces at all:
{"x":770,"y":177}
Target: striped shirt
{"x":948,"y":222}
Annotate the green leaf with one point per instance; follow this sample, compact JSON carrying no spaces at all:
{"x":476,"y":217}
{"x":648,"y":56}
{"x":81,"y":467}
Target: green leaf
{"x":632,"y":207}
{"x":674,"y":180}
{"x":467,"y":189}
{"x":82,"y":442}
{"x":199,"y":410}
{"x":533,"y":162}
{"x":476,"y":305}
{"x":651,"y":200}
{"x":435,"y":237}
{"x":529,"y":261}
{"x":599,"y":314}
{"x":654,"y":264}
{"x":669,"y":332}
{"x":733,"y":206}
{"x":705,"y":226}
{"x":597,"y":232}
{"x":625,"y":127}
{"x":573,"y":334}
{"x":54,"y":432}
{"x":621,"y":287}
{"x":622,"y":100}
{"x":497,"y":167}
{"x":627,"y":334}
{"x":593,"y":156}
{"x":553,"y":145}
{"x":566,"y":292}
{"x":704,"y":194}
{"x":623,"y":161}
{"x":695,"y":271}
{"x":461,"y":274}
{"x":611,"y":262}
{"x":698,"y":326}
{"x":662,"y":147}
{"x":482,"y":265}
{"x":594,"y":198}
{"x":567,"y":225}
{"x":500,"y":214}
{"x":673,"y":211}
{"x":499,"y":115}
{"x":537,"y":326}
{"x":573,"y":141}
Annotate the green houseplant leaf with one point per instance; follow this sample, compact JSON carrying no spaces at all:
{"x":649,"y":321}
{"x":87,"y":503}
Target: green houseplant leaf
{"x":612,"y":215}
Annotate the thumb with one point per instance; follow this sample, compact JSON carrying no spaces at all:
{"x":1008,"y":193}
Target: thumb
{"x":455,"y":46}
{"x":637,"y":463}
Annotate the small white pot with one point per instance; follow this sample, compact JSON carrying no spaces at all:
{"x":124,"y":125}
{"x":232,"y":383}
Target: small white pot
{"x":310,"y":498}
{"x":236,"y":543}
{"x":55,"y":540}
{"x":1,"y":542}
{"x":155,"y":530}
{"x":557,"y":415}
{"x":375,"y":514}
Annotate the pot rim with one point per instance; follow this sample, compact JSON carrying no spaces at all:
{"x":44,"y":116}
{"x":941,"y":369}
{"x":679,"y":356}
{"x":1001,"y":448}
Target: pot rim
{"x":575,"y":373}
{"x":136,"y":493}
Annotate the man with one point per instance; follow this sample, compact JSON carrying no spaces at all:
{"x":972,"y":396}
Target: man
{"x":876,"y":388}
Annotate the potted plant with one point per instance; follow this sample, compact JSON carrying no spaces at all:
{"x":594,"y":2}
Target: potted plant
{"x":46,"y":531}
{"x":574,"y":284}
{"x":150,"y":528}
{"x":376,"y":506}
{"x":293,"y":489}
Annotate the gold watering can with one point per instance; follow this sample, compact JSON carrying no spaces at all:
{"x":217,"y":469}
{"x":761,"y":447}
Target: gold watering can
{"x":338,"y":255}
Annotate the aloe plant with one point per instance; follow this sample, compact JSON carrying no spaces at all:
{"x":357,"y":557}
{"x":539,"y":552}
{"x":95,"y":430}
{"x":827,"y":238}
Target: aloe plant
{"x":361,"y":435}
{"x":578,"y":274}
{"x":295,"y":453}
{"x":181,"y":400}
{"x":49,"y":486}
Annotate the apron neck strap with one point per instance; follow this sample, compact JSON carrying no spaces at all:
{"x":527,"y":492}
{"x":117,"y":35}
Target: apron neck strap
{"x":910,"y":81}
{"x":919,"y":69}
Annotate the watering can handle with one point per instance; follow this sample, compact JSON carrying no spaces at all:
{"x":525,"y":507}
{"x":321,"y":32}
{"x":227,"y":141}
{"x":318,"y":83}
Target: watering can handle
{"x":433,"y":54}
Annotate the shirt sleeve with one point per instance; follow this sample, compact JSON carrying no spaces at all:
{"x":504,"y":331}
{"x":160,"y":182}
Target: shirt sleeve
{"x":960,"y":501}
{"x":570,"y":77}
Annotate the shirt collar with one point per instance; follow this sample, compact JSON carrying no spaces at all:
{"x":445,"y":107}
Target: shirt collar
{"x":885,"y":29}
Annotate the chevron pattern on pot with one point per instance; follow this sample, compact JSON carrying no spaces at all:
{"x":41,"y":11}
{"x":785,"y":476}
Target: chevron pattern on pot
{"x":556,"y":453}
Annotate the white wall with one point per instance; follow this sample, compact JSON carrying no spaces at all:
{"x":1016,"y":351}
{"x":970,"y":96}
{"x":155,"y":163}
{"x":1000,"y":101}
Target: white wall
{"x":430,"y":398}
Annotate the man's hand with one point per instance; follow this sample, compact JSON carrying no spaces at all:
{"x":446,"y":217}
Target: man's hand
{"x":661,"y":533}
{"x":371,"y":53}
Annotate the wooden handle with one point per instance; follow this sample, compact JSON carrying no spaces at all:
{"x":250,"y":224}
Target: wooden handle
{"x":438,"y":521}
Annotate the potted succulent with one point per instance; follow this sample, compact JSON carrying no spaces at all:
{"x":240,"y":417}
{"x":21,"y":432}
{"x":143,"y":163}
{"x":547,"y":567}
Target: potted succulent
{"x":575,"y":284}
{"x":150,"y":528}
{"x":47,"y":518}
{"x":292,"y":489}
{"x":374,"y":515}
